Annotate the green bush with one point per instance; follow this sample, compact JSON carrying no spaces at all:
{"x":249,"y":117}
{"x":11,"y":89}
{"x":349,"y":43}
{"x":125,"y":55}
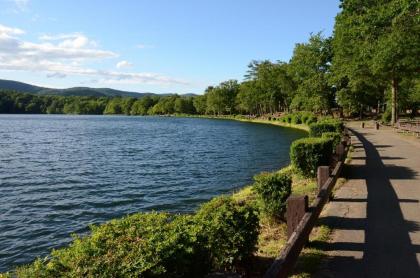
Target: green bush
{"x":296,"y":118}
{"x":143,"y":244}
{"x":222,"y":235}
{"x":335,"y":136}
{"x":305,"y":116}
{"x":310,"y":119}
{"x":329,"y":125}
{"x":307,"y":154}
{"x":273,"y":189}
{"x":301,"y":117}
{"x":286,"y":119}
{"x":337,"y":123}
{"x":229,"y":231}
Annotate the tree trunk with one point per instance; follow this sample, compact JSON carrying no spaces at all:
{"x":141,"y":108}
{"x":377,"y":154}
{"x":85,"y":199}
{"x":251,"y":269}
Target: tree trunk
{"x":394,"y":109}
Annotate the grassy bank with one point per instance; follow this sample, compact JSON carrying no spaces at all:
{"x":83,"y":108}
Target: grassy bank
{"x":242,"y":118}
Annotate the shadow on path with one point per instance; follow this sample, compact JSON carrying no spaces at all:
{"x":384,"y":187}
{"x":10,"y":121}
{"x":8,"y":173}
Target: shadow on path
{"x":387,"y":250}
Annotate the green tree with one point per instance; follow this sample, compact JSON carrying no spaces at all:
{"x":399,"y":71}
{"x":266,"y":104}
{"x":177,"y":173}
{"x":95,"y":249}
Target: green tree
{"x":310,"y":67}
{"x":114,"y":106}
{"x":273,"y":85}
{"x":379,"y":38}
{"x":221,"y":99}
{"x":200,"y":104}
{"x":247,"y":98}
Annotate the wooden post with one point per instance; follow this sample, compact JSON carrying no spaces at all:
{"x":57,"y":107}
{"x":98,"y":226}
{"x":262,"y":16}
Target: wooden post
{"x":363,"y":125}
{"x":323,"y":173}
{"x":376,"y":125}
{"x":340,"y":151}
{"x":297,"y":206}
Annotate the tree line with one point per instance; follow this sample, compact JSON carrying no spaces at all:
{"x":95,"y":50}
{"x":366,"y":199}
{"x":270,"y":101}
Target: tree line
{"x":22,"y":103}
{"x":370,"y":61}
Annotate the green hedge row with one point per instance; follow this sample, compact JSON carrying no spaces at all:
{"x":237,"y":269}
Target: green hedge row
{"x":299,"y":118}
{"x":220,"y":236}
{"x":273,"y":190}
{"x":325,"y":125}
{"x":335,"y":136}
{"x":307,"y":154}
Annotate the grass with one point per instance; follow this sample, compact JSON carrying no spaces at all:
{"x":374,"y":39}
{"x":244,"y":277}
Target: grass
{"x":310,"y":258}
{"x":249,"y":120}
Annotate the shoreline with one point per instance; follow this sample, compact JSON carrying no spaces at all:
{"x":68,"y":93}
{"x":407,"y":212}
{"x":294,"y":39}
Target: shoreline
{"x":248,"y":120}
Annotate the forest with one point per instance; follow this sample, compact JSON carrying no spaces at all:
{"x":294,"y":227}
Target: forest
{"x":369,"y":64}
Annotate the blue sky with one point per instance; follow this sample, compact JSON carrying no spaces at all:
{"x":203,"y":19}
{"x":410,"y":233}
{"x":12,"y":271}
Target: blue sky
{"x":156,"y":46}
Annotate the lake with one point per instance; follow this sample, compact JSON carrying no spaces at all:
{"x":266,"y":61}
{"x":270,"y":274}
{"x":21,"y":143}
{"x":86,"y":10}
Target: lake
{"x":60,"y":173}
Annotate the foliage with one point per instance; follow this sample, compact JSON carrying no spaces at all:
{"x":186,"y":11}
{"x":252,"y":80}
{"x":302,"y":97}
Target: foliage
{"x":307,"y":154}
{"x":335,"y":136}
{"x":309,"y":67}
{"x":221,"y":99}
{"x":229,"y":231}
{"x":375,"y":46}
{"x":325,"y":125}
{"x":222,"y":235}
{"x":145,"y":244}
{"x":386,"y":116}
{"x":273,"y":189}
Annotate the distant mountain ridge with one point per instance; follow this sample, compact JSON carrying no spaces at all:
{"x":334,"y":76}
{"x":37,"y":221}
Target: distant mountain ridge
{"x":74,"y":91}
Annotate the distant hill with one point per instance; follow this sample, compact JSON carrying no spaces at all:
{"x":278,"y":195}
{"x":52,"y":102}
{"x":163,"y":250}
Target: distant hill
{"x":75,"y":91}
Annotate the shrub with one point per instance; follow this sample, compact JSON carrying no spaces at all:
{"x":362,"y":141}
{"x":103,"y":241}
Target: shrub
{"x":296,"y":118}
{"x":316,"y":129}
{"x":307,"y":154}
{"x":286,"y":118}
{"x":305,"y":116}
{"x":337,"y":123}
{"x":220,"y":236}
{"x":143,"y":244}
{"x":299,"y":118}
{"x":273,"y":189}
{"x":335,"y":136}
{"x":311,"y":119}
{"x":229,"y":231}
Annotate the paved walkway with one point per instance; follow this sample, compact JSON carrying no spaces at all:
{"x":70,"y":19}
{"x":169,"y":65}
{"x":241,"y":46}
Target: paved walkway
{"x":376,"y":214}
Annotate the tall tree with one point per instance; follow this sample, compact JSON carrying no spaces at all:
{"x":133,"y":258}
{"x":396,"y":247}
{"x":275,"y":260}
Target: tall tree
{"x":310,"y":67}
{"x":380,"y":38}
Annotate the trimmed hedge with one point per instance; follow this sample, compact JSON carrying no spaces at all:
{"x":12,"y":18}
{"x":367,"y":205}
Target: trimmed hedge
{"x":329,"y":125}
{"x":229,"y":232}
{"x":296,"y":118}
{"x":286,"y":119}
{"x":220,"y":236}
{"x":299,"y":118}
{"x":273,"y":189}
{"x":335,"y":136}
{"x":307,"y":154}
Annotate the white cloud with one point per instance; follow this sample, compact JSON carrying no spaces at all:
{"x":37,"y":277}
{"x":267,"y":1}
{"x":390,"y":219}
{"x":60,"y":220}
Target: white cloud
{"x":65,"y":54}
{"x":73,"y":40}
{"x":21,"y":5}
{"x":143,"y":46}
{"x":123,"y":64}
{"x":9,"y":31}
{"x":56,"y":75}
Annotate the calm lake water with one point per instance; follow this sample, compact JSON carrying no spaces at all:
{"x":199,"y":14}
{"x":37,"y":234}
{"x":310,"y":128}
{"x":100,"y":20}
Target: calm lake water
{"x":60,"y":173}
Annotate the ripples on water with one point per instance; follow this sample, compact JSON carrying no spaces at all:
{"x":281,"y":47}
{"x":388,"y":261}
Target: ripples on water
{"x":60,"y":173}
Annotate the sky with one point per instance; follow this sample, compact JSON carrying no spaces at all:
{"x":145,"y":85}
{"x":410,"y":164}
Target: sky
{"x":151,"y":46}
